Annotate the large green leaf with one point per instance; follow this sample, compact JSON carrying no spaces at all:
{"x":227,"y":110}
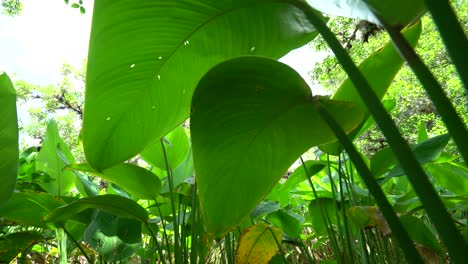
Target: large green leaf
{"x":114,"y":238}
{"x":252,"y":117}
{"x":30,"y":207}
{"x":394,"y":12}
{"x":137,"y":181}
{"x":146,"y":57}
{"x":115,"y":204}
{"x":176,"y":145}
{"x":8,"y":139}
{"x":379,"y":69}
{"x":49,"y":162}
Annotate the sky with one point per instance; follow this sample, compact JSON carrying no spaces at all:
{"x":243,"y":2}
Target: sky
{"x":48,"y":33}
{"x":35,"y":44}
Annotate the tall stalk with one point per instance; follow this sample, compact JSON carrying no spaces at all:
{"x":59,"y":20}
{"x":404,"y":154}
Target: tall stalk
{"x":397,"y":228}
{"x":454,"y":123}
{"x":452,"y":34}
{"x":436,"y":210}
{"x":177,"y":253}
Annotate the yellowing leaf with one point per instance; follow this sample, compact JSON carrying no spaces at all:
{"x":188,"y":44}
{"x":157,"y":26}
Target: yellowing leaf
{"x":258,"y":244}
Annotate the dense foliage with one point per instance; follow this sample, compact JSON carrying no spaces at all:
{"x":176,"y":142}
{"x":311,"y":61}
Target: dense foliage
{"x":361,"y":38}
{"x":178,"y":149}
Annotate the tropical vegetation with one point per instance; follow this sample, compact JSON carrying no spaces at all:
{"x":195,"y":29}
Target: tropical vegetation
{"x":192,"y":143}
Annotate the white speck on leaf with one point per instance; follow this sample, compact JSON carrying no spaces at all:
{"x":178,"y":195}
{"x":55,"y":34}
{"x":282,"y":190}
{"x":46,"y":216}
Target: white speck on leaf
{"x":132,"y":66}
{"x":108,"y":118}
{"x":252,"y":49}
{"x":160,"y":58}
{"x":186,"y":42}
{"x":159,"y":77}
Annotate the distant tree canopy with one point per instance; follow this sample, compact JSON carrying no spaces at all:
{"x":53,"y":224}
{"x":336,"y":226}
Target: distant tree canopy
{"x":413,"y":107}
{"x":11,"y":7}
{"x":14,"y":7}
{"x":62,"y":101}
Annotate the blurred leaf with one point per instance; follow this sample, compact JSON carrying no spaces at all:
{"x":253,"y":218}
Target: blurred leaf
{"x":258,"y":244}
{"x":83,"y":184}
{"x":425,"y":152}
{"x":323,"y":215}
{"x":177,"y":148}
{"x":396,"y":12}
{"x":290,"y":224}
{"x":264,"y":208}
{"x":420,"y":233}
{"x":8,"y":139}
{"x":300,"y":175}
{"x":146,"y":57}
{"x":265,"y":119}
{"x":114,"y":238}
{"x":137,"y":181}
{"x":451,"y":176}
{"x":29,"y":207}
{"x":422,"y":133}
{"x":114,"y":204}
{"x":181,"y":173}
{"x":367,"y":217}
{"x":13,"y":244}
{"x":382,"y":161}
{"x":49,"y":162}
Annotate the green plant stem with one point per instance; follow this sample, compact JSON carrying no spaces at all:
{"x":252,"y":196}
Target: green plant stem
{"x":78,"y":245}
{"x":61,"y":245}
{"x":452,"y":34}
{"x":166,"y":239}
{"x":436,"y":210}
{"x":194,"y":235}
{"x":175,"y":216}
{"x":158,"y":247}
{"x":455,"y":125}
{"x":323,"y":212}
{"x":280,"y":248}
{"x":374,"y":188}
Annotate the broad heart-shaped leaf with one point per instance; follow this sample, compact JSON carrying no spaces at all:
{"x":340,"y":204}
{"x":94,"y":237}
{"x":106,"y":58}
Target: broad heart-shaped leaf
{"x":49,"y":162}
{"x":394,"y":12}
{"x":251,"y":118}
{"x":115,"y":204}
{"x":379,"y":69}
{"x":137,"y":181}
{"x":146,"y":57}
{"x":114,"y":238}
{"x":176,"y":145}
{"x":258,"y":244}
{"x":8,"y":138}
